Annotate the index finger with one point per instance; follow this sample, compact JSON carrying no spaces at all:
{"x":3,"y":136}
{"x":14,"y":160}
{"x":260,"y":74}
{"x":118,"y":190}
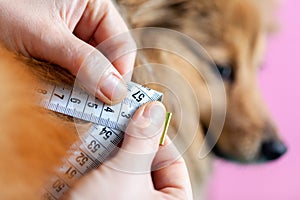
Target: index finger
{"x":102,"y":24}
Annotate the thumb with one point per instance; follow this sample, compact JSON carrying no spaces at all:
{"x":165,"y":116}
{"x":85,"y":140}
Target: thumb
{"x":89,"y":65}
{"x":141,"y":140}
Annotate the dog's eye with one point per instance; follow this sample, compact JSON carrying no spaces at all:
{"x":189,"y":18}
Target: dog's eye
{"x":225,"y":72}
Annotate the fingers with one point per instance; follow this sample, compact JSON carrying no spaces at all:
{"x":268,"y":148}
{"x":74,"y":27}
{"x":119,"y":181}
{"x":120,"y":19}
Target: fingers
{"x":89,"y":65}
{"x":141,"y":140}
{"x":49,"y":37}
{"x":101,"y":21}
{"x":172,"y":178}
{"x":145,"y":129}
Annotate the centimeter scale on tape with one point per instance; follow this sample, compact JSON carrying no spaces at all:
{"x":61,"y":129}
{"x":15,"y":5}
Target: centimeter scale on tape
{"x":109,"y":124}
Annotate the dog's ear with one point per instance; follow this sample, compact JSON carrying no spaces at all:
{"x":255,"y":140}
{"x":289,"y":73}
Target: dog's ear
{"x":268,"y":9}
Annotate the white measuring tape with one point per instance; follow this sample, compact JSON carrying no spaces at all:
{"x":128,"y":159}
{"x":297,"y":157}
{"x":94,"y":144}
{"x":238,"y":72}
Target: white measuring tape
{"x":101,"y":139}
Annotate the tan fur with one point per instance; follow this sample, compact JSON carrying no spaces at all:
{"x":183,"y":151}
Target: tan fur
{"x":233,"y":32}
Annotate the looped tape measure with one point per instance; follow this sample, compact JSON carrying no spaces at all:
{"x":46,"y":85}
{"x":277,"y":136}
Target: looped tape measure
{"x":109,"y":124}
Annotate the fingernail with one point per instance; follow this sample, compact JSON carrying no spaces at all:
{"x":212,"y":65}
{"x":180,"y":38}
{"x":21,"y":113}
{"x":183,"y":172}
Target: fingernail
{"x":156,"y":112}
{"x":113,"y":88}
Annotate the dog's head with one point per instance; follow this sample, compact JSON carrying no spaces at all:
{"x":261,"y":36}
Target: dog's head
{"x":234,"y":34}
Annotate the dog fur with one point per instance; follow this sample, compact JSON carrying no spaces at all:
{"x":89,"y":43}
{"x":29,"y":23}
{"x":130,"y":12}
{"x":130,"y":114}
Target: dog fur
{"x":233,"y":32}
{"x":32,"y":141}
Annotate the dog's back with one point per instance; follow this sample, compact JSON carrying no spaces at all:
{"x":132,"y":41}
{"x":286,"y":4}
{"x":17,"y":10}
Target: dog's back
{"x":32,"y":141}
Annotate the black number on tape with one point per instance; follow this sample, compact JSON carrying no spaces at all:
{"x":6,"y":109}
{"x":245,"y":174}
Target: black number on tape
{"x":58,"y":185}
{"x":92,"y":105}
{"x":75,"y":100}
{"x":59,"y":96}
{"x":123,"y":114}
{"x":81,"y":159}
{"x":106,"y":133}
{"x":138,"y":96}
{"x":71,"y":172}
{"x":108,"y":109}
{"x":93,"y":146}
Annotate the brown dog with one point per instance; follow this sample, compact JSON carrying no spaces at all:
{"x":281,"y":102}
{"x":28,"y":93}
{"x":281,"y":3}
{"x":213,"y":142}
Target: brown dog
{"x":233,"y":32}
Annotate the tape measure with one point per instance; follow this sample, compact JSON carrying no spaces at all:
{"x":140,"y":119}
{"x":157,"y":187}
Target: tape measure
{"x":109,"y":124}
{"x":77,"y":103}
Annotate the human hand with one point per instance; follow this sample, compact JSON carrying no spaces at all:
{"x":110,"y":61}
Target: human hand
{"x":65,"y":33}
{"x":128,"y":174}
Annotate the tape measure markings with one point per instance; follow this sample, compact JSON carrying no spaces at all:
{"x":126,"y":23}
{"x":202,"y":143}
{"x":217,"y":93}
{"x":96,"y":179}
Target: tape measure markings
{"x":71,"y":170}
{"x":109,"y":139}
{"x":58,"y":187}
{"x":101,"y":139}
{"x":80,"y":159}
{"x":79,"y":104}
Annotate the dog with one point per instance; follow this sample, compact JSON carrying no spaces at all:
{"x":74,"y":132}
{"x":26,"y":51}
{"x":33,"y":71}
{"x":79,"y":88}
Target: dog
{"x":232,"y":32}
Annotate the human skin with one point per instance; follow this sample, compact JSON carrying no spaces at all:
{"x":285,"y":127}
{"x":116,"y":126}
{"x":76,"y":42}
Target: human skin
{"x":130,"y":174}
{"x":66,"y":33}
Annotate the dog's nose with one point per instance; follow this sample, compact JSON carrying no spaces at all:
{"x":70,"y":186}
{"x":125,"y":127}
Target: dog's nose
{"x":273,"y":149}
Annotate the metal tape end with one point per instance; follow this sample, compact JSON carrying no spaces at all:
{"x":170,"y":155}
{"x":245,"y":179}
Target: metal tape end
{"x":167,"y":123}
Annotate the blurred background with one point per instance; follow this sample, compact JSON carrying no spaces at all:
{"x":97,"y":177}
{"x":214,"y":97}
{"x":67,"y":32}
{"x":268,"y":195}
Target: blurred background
{"x":280,"y":84}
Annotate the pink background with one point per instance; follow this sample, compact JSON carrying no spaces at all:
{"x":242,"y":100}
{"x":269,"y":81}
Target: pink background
{"x":280,"y":83}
